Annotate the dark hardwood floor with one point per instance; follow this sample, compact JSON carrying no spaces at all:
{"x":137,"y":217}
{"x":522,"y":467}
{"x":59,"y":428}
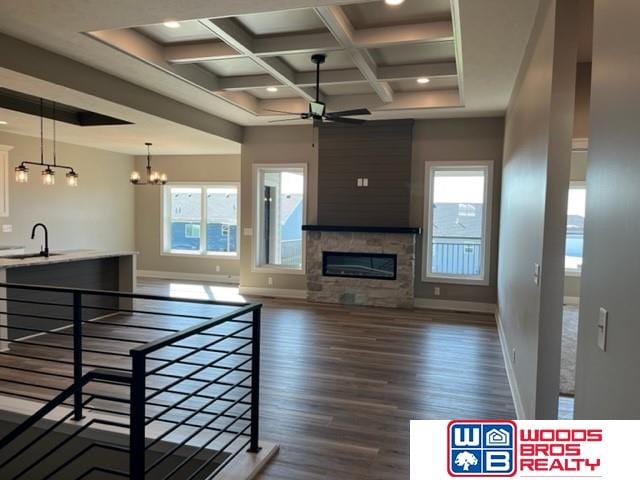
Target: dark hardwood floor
{"x":339,"y":385}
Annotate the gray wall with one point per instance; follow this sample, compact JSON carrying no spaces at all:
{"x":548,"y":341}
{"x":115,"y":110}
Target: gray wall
{"x":608,"y":383}
{"x":97,"y":214}
{"x":179,"y":168}
{"x":275,"y":145}
{"x":456,"y":140}
{"x":535,"y":181}
{"x":379,"y":151}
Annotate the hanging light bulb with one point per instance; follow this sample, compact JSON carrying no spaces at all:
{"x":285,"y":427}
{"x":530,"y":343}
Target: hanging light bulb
{"x":48,"y":177}
{"x":72,"y":179}
{"x":154,"y":177}
{"x":22,"y":173}
{"x":163,"y":178}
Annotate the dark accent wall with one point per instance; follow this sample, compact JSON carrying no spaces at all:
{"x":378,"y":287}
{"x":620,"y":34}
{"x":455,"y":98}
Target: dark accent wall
{"x":99,"y":274}
{"x":379,"y":151}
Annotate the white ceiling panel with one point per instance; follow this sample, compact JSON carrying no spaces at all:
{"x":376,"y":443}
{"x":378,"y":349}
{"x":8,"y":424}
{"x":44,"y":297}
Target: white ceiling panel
{"x":230,"y":67}
{"x":415,"y":53}
{"x":189,"y":31}
{"x":287,"y":21}
{"x":336,"y":60}
{"x":379,"y":14}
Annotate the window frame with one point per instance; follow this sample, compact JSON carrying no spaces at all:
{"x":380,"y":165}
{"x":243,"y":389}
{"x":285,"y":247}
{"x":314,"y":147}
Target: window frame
{"x":427,"y":240}
{"x":165,"y":216}
{"x":276,"y":167}
{"x":573,"y":272}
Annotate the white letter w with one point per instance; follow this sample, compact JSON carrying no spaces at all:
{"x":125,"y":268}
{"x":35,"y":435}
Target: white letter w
{"x":471,"y":437}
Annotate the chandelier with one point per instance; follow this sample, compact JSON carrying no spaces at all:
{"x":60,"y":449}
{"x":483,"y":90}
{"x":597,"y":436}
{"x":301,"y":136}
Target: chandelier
{"x":153,"y":177}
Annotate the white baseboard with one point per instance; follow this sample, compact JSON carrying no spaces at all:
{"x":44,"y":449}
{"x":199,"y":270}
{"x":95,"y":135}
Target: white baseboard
{"x":196,"y":277}
{"x":511,"y":374}
{"x":572,"y":300}
{"x":273,"y":292}
{"x":457,"y":305}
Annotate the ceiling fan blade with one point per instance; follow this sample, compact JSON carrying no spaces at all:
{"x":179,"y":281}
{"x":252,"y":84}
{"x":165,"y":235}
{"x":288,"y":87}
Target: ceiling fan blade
{"x":284,"y":120}
{"x":350,"y":113}
{"x":354,"y":121}
{"x":281,"y":111}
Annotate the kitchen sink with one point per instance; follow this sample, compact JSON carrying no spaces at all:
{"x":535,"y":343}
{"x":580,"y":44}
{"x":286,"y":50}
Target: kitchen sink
{"x":24,"y":256}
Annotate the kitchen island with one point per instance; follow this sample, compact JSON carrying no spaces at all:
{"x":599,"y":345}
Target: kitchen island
{"x":86,"y":269}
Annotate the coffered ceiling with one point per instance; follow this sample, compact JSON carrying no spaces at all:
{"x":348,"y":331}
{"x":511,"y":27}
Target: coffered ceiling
{"x":233,"y":59}
{"x":259,"y":62}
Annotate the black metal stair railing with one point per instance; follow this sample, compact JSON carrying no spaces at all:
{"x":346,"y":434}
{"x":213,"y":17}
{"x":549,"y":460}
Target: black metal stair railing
{"x":176,"y":379}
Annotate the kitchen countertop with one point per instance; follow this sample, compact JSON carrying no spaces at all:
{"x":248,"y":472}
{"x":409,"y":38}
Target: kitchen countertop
{"x":62,"y":257}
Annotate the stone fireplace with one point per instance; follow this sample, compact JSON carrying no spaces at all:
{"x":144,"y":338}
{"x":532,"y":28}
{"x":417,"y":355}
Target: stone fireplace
{"x":368,"y":265}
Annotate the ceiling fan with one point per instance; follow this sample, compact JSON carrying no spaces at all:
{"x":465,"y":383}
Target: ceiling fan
{"x":318,"y":110}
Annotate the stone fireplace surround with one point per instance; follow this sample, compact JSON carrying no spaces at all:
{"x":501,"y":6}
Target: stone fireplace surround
{"x":396,"y":293}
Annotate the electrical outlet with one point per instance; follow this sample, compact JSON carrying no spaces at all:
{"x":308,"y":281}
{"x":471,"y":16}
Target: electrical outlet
{"x":248,"y":231}
{"x":217,"y":268}
{"x":270,"y":281}
{"x":513,"y":356}
{"x":436,"y":291}
{"x":7,"y":228}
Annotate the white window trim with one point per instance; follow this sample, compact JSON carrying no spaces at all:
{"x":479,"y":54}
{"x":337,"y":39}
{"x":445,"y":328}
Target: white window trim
{"x":484,"y":279}
{"x":255,"y":268}
{"x":574,"y":272}
{"x":202,"y":253}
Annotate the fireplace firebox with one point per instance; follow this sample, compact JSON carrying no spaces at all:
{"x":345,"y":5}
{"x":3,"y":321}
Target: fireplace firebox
{"x":381,"y":266}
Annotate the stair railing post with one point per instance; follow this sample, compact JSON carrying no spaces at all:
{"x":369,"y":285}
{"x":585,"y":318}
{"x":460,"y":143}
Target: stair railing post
{"x":77,"y":355}
{"x":137,"y":416}
{"x":255,"y":382}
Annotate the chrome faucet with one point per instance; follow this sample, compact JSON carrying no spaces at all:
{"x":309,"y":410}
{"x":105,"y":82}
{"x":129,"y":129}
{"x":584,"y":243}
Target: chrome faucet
{"x":43,"y":251}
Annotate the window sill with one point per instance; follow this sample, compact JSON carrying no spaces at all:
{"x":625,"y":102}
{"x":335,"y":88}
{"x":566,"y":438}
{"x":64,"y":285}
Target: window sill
{"x":226,"y":256}
{"x":454,"y":280}
{"x":278,"y":270}
{"x":572,"y":273}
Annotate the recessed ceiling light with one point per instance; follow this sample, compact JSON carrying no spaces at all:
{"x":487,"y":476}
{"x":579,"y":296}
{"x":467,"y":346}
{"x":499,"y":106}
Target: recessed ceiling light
{"x":394,"y":3}
{"x":272,"y":89}
{"x":2,"y":122}
{"x":172,"y":24}
{"x":422,"y":80}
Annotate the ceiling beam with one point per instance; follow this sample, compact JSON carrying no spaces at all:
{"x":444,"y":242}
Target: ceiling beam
{"x":198,"y":52}
{"x":333,"y":77}
{"x":431,"y":70}
{"x":295,"y":43}
{"x":401,"y":34}
{"x":240,"y":40}
{"x":339,"y":25}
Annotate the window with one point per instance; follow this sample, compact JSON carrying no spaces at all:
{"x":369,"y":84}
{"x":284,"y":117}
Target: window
{"x":280,"y":214}
{"x":200,"y":219}
{"x":575,"y":227}
{"x":457,"y":219}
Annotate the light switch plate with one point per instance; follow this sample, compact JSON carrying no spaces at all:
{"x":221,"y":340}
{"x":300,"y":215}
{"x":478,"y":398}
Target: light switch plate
{"x":359,"y":182}
{"x":7,"y":228}
{"x":365,"y":182}
{"x":603,"y":323}
{"x":536,"y":273}
{"x":247,"y":231}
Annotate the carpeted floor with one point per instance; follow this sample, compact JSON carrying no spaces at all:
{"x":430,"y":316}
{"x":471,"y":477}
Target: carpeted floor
{"x":569,"y":348}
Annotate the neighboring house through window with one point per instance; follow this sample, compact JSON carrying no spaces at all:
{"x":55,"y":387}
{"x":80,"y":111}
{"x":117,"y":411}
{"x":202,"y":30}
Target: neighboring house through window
{"x":200,"y":219}
{"x":280,"y":194}
{"x":575,"y":227}
{"x":457,"y":221}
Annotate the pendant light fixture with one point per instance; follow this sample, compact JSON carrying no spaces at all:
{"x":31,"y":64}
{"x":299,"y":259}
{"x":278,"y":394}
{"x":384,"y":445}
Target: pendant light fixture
{"x":153,"y":177}
{"x":48,"y":173}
